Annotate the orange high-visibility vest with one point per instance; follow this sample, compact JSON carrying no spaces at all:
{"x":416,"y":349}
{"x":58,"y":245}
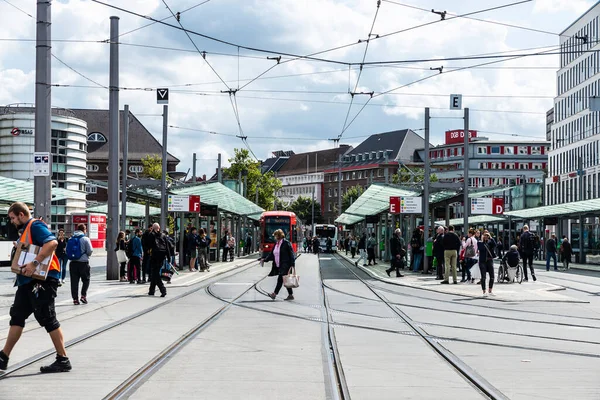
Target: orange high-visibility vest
{"x":26,"y":238}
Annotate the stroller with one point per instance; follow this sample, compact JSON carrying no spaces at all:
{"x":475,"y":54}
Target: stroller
{"x":507,"y":274}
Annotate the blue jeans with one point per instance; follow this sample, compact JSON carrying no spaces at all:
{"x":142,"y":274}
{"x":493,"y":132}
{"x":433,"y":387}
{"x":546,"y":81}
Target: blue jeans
{"x":63,"y":266}
{"x":553,"y":255}
{"x":417,"y":262}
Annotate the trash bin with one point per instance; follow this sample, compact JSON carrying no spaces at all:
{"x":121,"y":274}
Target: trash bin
{"x":212,"y":255}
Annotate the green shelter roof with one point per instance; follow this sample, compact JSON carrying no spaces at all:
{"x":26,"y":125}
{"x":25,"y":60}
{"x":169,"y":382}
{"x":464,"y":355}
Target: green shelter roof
{"x":217,"y":194}
{"x":559,"y":210}
{"x":134,"y":210}
{"x":12,"y":190}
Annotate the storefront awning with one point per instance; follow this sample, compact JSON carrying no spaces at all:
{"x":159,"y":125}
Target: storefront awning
{"x":134,"y":210}
{"x":217,"y":194}
{"x":13,"y":190}
{"x":559,"y":210}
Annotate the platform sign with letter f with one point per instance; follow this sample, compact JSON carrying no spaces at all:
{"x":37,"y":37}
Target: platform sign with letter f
{"x":194,"y":202}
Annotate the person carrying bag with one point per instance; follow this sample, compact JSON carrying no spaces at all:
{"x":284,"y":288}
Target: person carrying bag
{"x":284,"y":263}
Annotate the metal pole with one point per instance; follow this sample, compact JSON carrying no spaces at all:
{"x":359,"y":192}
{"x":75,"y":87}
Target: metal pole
{"x":112,"y":228}
{"x":147,"y":219}
{"x":163,"y":185}
{"x":219,"y":173}
{"x":312,"y":218}
{"x":339,"y":185}
{"x":181,"y":240}
{"x":42,"y":185}
{"x":196,"y":215}
{"x":467,"y":206}
{"x":580,"y":173}
{"x":509,"y":216}
{"x":124,"y":170}
{"x":426,"y":191}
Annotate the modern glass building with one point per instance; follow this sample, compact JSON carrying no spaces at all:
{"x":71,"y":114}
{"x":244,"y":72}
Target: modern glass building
{"x":69,"y":154}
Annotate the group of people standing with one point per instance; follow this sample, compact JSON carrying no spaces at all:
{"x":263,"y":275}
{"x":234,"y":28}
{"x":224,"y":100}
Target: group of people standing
{"x":366,"y":246}
{"x":197,"y":246}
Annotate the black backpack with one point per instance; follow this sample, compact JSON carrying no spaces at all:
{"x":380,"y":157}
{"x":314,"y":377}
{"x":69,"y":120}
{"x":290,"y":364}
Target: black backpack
{"x":129,"y":248}
{"x":414,"y":243}
{"x":527,"y":242}
{"x":160,"y":243}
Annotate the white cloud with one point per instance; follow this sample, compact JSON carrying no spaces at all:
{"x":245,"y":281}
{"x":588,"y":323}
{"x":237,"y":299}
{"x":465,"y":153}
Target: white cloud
{"x":557,"y":6}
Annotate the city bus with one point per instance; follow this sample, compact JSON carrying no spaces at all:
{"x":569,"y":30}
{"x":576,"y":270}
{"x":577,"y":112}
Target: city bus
{"x":270,"y":221}
{"x":324,"y":231}
{"x":8,"y":234}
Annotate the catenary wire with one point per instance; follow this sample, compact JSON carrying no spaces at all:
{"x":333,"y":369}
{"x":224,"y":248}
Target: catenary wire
{"x":20,"y":9}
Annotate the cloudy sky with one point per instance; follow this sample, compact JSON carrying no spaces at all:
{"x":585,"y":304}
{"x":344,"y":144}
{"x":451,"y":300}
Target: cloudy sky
{"x":298,"y":104}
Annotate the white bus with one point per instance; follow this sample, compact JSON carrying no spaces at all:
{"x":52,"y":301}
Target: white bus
{"x":324,"y":231}
{"x":8,"y":234}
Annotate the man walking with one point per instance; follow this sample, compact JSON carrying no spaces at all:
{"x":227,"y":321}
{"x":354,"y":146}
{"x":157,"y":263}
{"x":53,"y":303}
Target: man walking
{"x":362,"y":250}
{"x":147,"y":246}
{"x":551,"y":252}
{"x":35,"y":296}
{"x":398,"y":251}
{"x":80,"y":263}
{"x":452,"y":246}
{"x":160,"y":253}
{"x":526,"y":245}
{"x":135,"y":262}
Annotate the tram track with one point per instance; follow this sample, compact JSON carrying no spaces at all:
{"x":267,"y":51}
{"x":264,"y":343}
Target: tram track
{"x":137,"y":379}
{"x":96,"y":332}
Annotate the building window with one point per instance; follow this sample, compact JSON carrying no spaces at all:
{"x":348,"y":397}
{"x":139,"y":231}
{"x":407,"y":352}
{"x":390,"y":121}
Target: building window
{"x":523,"y":166}
{"x":92,"y":168}
{"x":96,"y":137}
{"x":509,"y":150}
{"x":495,"y":150}
{"x":329,"y":192}
{"x":92,"y":189}
{"x":536,"y":150}
{"x":510,"y":166}
{"x":481,"y":150}
{"x":359,"y":174}
{"x":329,"y":207}
{"x":522,"y":150}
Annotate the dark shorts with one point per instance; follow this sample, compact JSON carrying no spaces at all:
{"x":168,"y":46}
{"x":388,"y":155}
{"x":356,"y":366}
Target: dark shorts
{"x":40,"y":304}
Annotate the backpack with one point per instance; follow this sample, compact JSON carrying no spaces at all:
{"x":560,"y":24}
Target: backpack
{"x":73,"y":249}
{"x":161,"y":245}
{"x":223,"y":242}
{"x":414,"y":243}
{"x":528,"y":244}
{"x":470,"y":249}
{"x":129,"y":249}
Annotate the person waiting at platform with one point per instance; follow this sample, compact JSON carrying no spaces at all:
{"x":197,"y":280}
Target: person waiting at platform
{"x":316,"y":245}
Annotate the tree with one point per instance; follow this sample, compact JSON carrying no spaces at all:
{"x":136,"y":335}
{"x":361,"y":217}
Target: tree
{"x":350,"y":196}
{"x":302,"y":207}
{"x":152,"y":164}
{"x":267,"y":185}
{"x":413,"y":175}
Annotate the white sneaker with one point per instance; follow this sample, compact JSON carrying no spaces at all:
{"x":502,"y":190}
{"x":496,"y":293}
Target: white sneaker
{"x":485,"y":294}
{"x":492,"y":294}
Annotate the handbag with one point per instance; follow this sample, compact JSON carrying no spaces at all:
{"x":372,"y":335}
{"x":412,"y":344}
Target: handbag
{"x":167,"y":271}
{"x":291,"y":280}
{"x":121,"y":256}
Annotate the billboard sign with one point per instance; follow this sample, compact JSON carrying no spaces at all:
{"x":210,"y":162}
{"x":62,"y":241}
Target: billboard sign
{"x":458,"y":136}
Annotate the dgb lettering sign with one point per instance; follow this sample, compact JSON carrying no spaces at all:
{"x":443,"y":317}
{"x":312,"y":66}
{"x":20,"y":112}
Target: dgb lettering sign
{"x":458,"y":136}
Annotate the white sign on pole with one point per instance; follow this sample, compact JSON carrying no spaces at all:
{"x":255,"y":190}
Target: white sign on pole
{"x":481,"y":206}
{"x":456,"y":101}
{"x":178,"y":203}
{"x":41,"y":164}
{"x":411,"y":205}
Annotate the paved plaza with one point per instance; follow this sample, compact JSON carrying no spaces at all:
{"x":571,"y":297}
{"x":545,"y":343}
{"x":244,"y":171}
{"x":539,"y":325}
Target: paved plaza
{"x":351,"y":332}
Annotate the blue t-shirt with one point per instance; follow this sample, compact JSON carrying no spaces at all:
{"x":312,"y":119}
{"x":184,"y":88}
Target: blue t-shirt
{"x":40,"y":235}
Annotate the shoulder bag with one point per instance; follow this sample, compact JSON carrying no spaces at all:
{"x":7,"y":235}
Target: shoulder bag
{"x":291,"y":280}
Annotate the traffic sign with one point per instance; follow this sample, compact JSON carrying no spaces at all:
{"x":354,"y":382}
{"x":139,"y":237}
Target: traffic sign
{"x":162,"y":96}
{"x":411,"y":205}
{"x":456,"y":101}
{"x":41,"y":164}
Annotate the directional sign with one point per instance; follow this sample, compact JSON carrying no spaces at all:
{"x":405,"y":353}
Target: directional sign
{"x":41,"y":164}
{"x":488,"y":206}
{"x":456,"y":101}
{"x":411,"y":205}
{"x":162,"y":96}
{"x":183,"y":204}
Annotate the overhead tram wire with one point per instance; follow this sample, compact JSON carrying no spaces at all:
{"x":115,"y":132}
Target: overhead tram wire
{"x":352,"y":94}
{"x":466,"y":16}
{"x":20,"y":9}
{"x":229,"y":90}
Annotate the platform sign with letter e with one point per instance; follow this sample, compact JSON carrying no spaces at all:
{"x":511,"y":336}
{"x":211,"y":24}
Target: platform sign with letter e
{"x":456,"y":101}
{"x":41,"y":164}
{"x":162,"y":96}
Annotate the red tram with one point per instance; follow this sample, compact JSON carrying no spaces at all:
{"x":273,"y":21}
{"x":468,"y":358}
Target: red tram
{"x":270,"y":221}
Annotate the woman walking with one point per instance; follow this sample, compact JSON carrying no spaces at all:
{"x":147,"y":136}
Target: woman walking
{"x":120,"y":248}
{"x":61,"y":253}
{"x":283,"y":259}
{"x":566,"y":251}
{"x":486,"y":261}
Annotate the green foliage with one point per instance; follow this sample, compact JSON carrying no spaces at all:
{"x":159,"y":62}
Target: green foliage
{"x":350,"y":197}
{"x":302,"y":207}
{"x":413,"y":175}
{"x":152,"y":166}
{"x":266,"y":184}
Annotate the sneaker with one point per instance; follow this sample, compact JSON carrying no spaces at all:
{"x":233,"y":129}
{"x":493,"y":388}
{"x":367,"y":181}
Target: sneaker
{"x":364,"y":265}
{"x":463,"y":280}
{"x":485,"y":294}
{"x":374,"y":263}
{"x":272,"y":296}
{"x":534,"y":278}
{"x":455,"y":283}
{"x":163,"y":294}
{"x":62,"y":364}
{"x":3,"y":361}
{"x":445,"y":282}
{"x":491,"y":294}
{"x":388,"y":273}
{"x":75,"y":302}
{"x":131,"y":282}
{"x":399,"y":276}
{"x":290,"y":297}
{"x":526,"y":280}
{"x":83,"y":300}
{"x":139,"y":282}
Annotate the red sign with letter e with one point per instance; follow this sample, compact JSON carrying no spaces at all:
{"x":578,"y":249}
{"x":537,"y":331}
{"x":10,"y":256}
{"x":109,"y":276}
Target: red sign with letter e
{"x":394,"y":205}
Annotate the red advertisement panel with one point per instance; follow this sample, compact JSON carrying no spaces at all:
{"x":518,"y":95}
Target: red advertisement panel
{"x":458,"y":136}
